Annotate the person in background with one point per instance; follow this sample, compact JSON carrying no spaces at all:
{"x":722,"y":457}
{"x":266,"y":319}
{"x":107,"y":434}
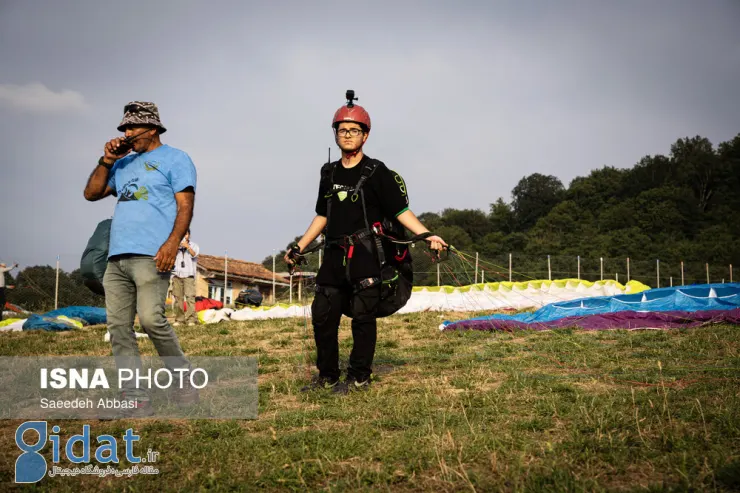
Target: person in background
{"x":183,"y":282}
{"x":3,"y":269}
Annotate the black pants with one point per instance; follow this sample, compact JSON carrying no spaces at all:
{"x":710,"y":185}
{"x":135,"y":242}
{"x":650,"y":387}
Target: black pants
{"x":327,"y":308}
{"x":2,"y":300}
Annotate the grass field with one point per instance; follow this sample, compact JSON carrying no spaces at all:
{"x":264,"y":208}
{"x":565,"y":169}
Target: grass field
{"x":563,"y":410}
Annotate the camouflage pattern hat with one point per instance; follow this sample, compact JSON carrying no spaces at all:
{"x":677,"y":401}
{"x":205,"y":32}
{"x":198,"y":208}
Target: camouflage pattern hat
{"x":141,"y":114}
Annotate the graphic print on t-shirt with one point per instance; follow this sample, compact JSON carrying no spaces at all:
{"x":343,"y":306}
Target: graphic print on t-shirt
{"x":132,"y":191}
{"x":342,"y":194}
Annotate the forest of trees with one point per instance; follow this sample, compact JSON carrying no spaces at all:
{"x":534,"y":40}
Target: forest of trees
{"x":680,"y":207}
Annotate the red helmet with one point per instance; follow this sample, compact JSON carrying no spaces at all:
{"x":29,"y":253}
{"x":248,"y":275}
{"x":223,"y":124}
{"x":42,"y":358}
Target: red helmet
{"x":352,"y":113}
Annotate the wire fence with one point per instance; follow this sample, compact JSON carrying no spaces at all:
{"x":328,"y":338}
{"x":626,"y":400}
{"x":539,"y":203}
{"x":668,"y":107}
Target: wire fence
{"x":516,"y":267}
{"x":43,"y":288}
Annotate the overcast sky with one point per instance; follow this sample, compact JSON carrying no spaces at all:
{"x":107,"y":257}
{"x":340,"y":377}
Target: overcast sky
{"x":466,"y":98}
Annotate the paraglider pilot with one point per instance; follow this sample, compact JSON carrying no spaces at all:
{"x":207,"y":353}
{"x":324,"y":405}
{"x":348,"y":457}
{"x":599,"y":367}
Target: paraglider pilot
{"x":359,"y":201}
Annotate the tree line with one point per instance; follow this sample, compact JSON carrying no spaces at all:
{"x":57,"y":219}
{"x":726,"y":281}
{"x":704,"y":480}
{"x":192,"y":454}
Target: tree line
{"x":35,"y":287}
{"x":681,"y":207}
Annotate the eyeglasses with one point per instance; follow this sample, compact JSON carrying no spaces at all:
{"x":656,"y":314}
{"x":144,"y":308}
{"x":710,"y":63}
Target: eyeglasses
{"x":354,"y":132}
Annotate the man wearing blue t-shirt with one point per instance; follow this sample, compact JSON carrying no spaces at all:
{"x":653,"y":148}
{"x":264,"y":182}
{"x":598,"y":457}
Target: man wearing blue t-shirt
{"x":155,"y":186}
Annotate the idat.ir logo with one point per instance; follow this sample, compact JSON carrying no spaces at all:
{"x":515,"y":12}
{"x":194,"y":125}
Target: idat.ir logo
{"x":31,"y":466}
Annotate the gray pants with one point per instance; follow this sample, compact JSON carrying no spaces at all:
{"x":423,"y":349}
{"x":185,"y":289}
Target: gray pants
{"x":183,"y":289}
{"x":133,"y":284}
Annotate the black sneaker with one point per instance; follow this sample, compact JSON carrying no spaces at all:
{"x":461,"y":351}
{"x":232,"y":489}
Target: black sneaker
{"x":351,"y":385}
{"x":141,"y":409}
{"x":319,"y":382}
{"x":185,"y":396}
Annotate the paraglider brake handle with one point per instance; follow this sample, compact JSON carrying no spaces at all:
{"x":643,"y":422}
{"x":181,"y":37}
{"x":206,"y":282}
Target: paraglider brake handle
{"x":294,"y":254}
{"x":350,"y":95}
{"x":437,"y":254}
{"x":437,"y":257}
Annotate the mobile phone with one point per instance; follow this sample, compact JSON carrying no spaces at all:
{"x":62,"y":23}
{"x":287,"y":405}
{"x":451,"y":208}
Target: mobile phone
{"x":124,"y":147}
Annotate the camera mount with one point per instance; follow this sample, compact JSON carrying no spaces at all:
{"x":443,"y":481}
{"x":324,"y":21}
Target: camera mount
{"x":350,"y":95}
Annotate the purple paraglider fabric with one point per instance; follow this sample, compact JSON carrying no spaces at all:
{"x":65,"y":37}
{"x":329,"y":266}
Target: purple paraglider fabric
{"x":612,"y":320}
{"x":662,"y":308}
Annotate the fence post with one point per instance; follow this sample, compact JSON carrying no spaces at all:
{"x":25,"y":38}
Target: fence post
{"x":226,"y":274}
{"x":579,"y":267}
{"x":483,"y":277}
{"x":602,"y":267}
{"x":476,"y":268}
{"x":438,"y":282}
{"x":730,"y":272}
{"x":274,"y":300}
{"x":290,"y":291}
{"x":657,"y":271}
{"x":510,"y":268}
{"x":707,"y":264}
{"x":56,"y":288}
{"x":682,"y":273}
{"x":616,"y":276}
{"x":549,"y":269}
{"x":671,"y":280}
{"x":628,"y":269}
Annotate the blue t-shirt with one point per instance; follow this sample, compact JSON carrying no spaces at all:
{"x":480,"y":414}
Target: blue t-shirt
{"x":145,"y":185}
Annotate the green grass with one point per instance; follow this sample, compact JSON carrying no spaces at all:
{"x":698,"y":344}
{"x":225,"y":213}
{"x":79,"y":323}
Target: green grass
{"x":564,"y":410}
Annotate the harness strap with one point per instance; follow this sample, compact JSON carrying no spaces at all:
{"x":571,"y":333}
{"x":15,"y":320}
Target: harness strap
{"x":348,"y":242}
{"x":343,"y":240}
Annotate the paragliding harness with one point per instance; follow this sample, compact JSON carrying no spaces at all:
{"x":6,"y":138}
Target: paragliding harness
{"x":251,"y":297}
{"x":386,"y":239}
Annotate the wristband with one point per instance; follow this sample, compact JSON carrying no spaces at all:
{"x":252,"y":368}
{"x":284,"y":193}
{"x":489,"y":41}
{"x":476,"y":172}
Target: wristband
{"x":101,"y":162}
